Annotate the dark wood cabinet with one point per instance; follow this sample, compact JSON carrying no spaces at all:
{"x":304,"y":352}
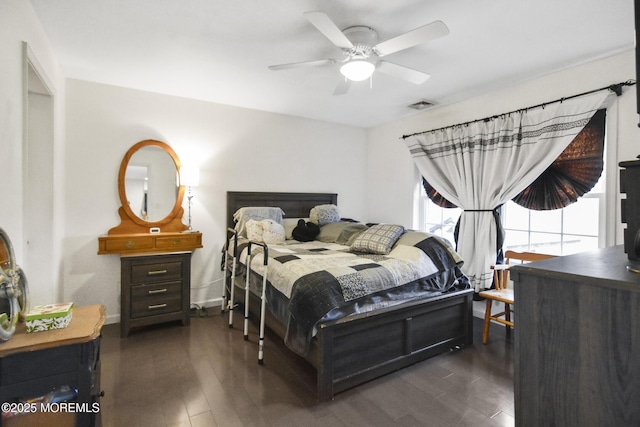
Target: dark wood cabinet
{"x":577,"y":341}
{"x":34,"y":364}
{"x":155,"y":288}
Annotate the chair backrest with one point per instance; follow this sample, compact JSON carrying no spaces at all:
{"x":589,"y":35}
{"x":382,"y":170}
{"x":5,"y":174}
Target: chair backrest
{"x":501,"y":272}
{"x":526,"y":256}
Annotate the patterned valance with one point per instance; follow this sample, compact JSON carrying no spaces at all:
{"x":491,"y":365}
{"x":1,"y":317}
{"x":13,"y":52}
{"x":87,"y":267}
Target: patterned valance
{"x":436,"y":197}
{"x":572,"y":174}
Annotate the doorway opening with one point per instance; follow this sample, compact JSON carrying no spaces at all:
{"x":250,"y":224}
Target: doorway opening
{"x":38,"y":181}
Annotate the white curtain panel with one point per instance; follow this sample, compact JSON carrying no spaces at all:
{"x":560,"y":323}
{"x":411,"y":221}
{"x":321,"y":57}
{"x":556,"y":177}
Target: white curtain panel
{"x":482,"y":165}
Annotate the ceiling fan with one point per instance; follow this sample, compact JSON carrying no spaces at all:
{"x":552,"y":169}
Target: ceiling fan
{"x":361,"y":49}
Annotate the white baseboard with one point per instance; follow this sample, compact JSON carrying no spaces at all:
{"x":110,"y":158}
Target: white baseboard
{"x":215,"y":302}
{"x":114,"y":318}
{"x":478,"y":309}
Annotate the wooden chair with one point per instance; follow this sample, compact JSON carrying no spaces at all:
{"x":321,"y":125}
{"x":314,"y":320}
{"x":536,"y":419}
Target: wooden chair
{"x":502,"y":292}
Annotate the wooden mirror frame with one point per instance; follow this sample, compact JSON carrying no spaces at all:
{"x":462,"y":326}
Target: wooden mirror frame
{"x":129,"y":221}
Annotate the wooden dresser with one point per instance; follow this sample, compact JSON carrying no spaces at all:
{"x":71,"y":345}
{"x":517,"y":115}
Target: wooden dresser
{"x":577,"y":341}
{"x":155,"y":288}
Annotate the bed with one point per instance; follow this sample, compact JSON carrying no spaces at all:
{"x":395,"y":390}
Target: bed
{"x":350,"y":347}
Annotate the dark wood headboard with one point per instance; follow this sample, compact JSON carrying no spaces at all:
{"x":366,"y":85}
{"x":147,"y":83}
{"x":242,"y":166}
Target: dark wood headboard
{"x":294,"y":205}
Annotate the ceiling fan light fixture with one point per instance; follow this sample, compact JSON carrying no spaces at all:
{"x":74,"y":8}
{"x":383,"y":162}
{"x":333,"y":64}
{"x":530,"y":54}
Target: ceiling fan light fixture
{"x":357,"y":70}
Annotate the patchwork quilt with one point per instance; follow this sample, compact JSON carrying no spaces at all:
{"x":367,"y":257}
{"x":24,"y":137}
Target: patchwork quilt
{"x":318,"y":277}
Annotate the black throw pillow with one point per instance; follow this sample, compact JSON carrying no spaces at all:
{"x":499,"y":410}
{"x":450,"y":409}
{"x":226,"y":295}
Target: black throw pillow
{"x":305,"y":232}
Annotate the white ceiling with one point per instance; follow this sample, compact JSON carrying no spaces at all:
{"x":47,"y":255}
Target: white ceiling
{"x":219,"y":50}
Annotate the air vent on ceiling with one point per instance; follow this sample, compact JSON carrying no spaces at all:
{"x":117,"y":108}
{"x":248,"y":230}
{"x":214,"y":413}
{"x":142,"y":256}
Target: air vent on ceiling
{"x":421,"y":105}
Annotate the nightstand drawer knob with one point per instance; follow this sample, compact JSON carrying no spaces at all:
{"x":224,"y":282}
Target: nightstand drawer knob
{"x":157,"y":291}
{"x":157,"y":272}
{"x":156,"y":306}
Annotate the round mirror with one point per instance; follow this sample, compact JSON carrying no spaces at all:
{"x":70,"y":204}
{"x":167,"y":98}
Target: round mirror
{"x":149,"y":185}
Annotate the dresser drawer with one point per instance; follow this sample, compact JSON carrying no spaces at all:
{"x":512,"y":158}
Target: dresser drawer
{"x":156,"y":272}
{"x":178,"y":242}
{"x":152,"y":307}
{"x":129,"y":243}
{"x":29,"y":365}
{"x":156,"y":291}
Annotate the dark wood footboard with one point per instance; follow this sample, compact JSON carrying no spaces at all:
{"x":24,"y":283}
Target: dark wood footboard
{"x":359,"y":348}
{"x":356,"y":349}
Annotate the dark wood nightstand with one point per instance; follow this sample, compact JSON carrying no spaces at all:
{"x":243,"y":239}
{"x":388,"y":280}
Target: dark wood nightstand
{"x":155,"y":288}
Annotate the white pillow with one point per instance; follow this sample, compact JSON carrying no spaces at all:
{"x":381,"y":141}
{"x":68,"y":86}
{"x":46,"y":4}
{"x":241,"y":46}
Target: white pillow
{"x":272,"y":232}
{"x":324,"y":214}
{"x":266,"y":231}
{"x":242,"y":215}
{"x":254,"y":230}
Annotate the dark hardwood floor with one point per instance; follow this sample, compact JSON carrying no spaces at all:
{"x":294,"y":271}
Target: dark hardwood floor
{"x":207,"y":375}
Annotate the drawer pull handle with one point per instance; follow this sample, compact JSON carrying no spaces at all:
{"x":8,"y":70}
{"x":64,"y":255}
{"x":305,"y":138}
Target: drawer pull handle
{"x":156,"y":306}
{"x":176,"y":242}
{"x":157,"y":291}
{"x":130,"y":244}
{"x":156,"y":272}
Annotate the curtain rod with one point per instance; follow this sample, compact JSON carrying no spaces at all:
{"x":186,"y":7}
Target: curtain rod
{"x":616,"y":88}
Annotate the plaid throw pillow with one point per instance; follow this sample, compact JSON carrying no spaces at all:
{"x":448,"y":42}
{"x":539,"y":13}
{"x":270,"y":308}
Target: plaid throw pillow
{"x":377,"y":239}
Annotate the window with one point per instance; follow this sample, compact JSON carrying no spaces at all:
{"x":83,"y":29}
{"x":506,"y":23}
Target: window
{"x":577,"y":228}
{"x":437,"y":220}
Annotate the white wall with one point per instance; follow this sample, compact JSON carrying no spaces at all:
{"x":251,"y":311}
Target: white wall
{"x":18,"y":24}
{"x":236,"y":149}
{"x":392,"y":176}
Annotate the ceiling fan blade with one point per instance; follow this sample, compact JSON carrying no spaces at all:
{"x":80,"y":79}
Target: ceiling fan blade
{"x":326,"y":26}
{"x":412,"y":38}
{"x":402,"y":72}
{"x":304,"y":64}
{"x":342,"y":87}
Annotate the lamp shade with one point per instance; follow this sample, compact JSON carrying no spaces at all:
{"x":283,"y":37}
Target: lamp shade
{"x":357,"y":70}
{"x":189,"y":176}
